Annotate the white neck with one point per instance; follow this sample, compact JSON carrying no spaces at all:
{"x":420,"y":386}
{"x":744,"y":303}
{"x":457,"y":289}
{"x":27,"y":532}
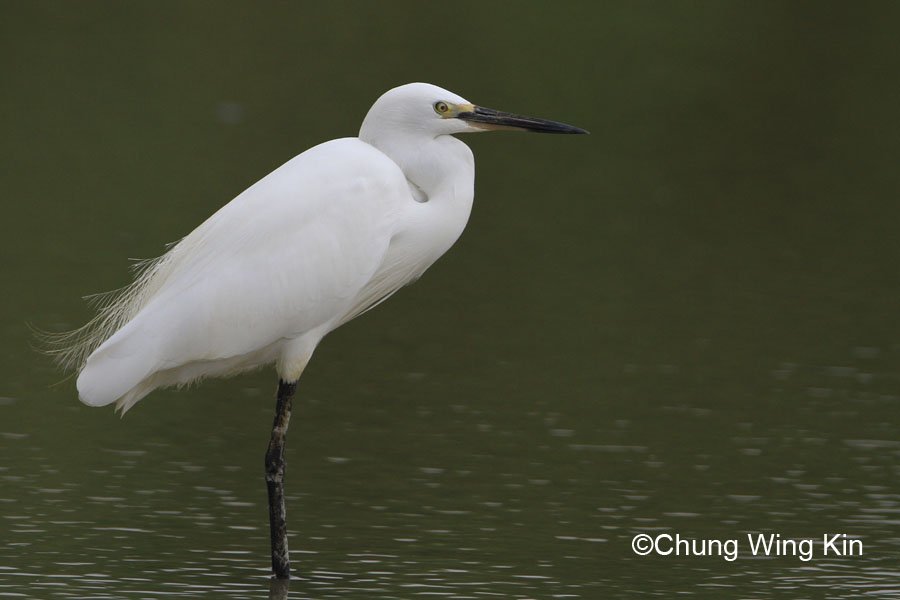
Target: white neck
{"x":443,"y":168}
{"x":433,"y":164}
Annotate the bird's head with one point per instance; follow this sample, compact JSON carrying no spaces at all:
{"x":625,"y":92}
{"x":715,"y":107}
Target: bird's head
{"x":425,"y":109}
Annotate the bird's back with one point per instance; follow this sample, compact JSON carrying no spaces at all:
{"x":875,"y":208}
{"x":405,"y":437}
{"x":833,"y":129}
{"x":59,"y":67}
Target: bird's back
{"x":287,"y":258}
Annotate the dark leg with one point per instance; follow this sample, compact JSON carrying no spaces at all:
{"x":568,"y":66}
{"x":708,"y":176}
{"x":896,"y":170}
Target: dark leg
{"x":281,"y":562}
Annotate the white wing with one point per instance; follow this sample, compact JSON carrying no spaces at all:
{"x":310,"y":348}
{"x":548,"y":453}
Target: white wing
{"x":288,"y":257}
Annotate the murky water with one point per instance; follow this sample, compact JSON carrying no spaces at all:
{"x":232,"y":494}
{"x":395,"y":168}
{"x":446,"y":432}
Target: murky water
{"x":683,"y":325}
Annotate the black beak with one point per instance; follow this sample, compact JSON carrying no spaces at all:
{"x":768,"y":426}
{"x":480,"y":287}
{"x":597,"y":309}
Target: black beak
{"x":488,"y":118}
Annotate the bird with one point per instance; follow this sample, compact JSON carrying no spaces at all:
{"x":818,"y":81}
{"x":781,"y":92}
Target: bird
{"x":325,"y":237}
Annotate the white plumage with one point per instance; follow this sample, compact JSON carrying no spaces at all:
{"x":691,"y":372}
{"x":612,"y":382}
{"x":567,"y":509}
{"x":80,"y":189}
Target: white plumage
{"x":308,"y":247}
{"x":318,"y":241}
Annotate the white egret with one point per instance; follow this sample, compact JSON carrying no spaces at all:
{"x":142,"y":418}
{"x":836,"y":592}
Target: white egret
{"x":320,"y":240}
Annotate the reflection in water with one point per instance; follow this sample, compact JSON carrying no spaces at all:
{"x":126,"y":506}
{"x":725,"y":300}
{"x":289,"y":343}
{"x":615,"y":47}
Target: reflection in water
{"x":278,"y":589}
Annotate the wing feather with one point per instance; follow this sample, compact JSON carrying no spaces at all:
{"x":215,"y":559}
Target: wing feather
{"x":291,"y":254}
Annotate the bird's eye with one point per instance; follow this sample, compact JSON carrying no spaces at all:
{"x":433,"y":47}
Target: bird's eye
{"x":441,"y":108}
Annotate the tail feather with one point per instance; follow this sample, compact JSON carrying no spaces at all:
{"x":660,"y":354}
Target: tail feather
{"x":71,"y":349}
{"x":110,"y":368}
{"x":114,"y":369}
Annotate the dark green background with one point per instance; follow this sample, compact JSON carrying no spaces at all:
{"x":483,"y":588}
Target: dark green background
{"x":685,"y":322}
